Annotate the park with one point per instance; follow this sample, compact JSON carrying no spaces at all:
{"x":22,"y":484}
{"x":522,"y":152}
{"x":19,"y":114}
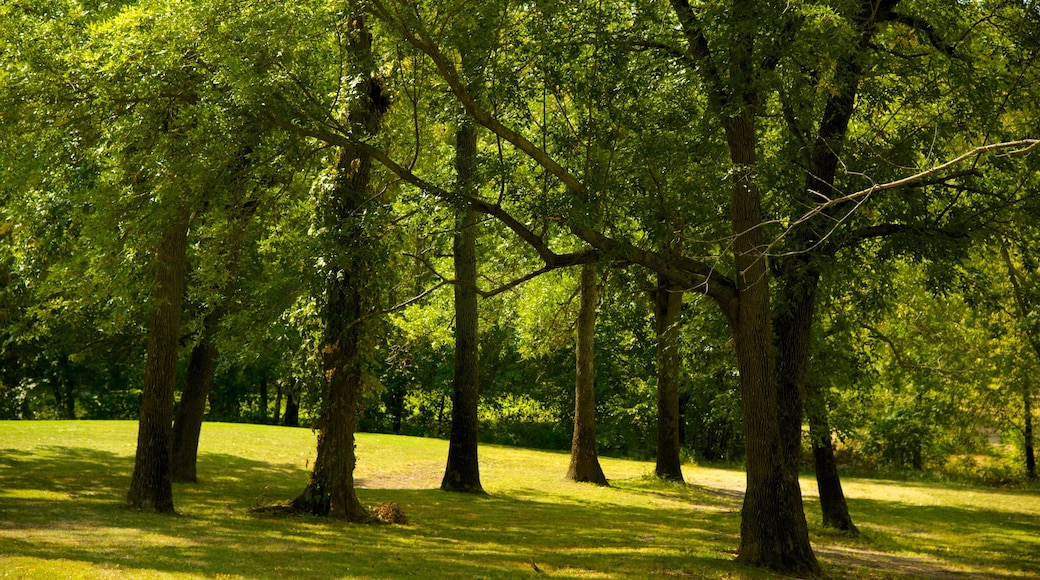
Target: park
{"x":596,"y":288}
{"x":62,"y":516}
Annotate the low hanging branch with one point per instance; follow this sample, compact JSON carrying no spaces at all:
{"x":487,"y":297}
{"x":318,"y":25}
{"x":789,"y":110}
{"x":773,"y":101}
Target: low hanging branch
{"x":1019,"y":148}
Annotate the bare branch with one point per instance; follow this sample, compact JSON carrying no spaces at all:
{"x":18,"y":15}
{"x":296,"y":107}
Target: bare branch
{"x":1018,"y":148}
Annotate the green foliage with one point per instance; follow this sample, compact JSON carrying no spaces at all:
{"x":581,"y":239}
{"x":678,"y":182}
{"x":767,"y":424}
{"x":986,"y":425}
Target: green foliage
{"x":116,"y":115}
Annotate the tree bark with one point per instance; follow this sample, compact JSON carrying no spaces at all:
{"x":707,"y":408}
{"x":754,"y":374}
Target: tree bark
{"x":264,"y":403}
{"x":1027,"y":407}
{"x":667,"y":305}
{"x":187,"y":425}
{"x":1022,"y":310}
{"x":584,"y":464}
{"x":150,"y":486}
{"x":64,"y":389}
{"x":330,"y":490}
{"x":462,"y":472}
{"x":351,"y":244}
{"x":792,"y":321}
{"x":277,"y":418}
{"x":832,"y":497}
{"x":773,"y":530}
{"x":291,"y":418}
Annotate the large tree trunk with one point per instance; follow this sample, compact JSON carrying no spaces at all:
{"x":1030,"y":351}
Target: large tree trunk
{"x":187,"y":425}
{"x":351,"y":244}
{"x":462,"y":472}
{"x":667,"y":305}
{"x":584,"y":464}
{"x":832,"y":497}
{"x":150,"y":486}
{"x":330,"y":490}
{"x":773,"y":530}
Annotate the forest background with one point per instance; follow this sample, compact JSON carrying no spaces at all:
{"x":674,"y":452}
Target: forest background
{"x":786,"y":224}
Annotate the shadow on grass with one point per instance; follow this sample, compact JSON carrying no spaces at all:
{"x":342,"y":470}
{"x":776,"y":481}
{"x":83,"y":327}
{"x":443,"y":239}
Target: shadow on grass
{"x":996,"y":540}
{"x":64,"y":504}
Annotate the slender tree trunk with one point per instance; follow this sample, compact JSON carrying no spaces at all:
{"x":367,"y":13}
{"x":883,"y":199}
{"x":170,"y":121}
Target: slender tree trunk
{"x":1027,"y":404}
{"x":150,"y":486}
{"x":1023,"y":310}
{"x":291,"y":418}
{"x":462,"y":472}
{"x":277,"y":419}
{"x":773,"y":531}
{"x":264,"y":403}
{"x":64,"y":390}
{"x":187,"y":425}
{"x":792,"y":322}
{"x":667,"y":305}
{"x":832,"y":497}
{"x":396,"y":408}
{"x":584,"y":464}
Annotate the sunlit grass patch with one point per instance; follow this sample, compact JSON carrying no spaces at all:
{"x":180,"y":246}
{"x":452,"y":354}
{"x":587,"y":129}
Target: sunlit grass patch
{"x":62,"y":515}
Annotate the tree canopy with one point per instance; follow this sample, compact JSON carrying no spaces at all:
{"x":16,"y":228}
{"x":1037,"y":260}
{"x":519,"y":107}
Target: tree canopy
{"x":770,"y":213}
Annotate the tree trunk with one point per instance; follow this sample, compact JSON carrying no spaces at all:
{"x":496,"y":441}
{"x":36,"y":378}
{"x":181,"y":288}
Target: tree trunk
{"x":463,"y":470}
{"x":330,"y":490}
{"x":1027,"y":404}
{"x":150,"y":486}
{"x":277,"y":403}
{"x":667,"y":305}
{"x":64,"y":389}
{"x":584,"y":464}
{"x":291,"y":418}
{"x":350,"y":217}
{"x":792,"y":322}
{"x":832,"y":497}
{"x":264,"y":403}
{"x":1022,"y":311}
{"x":396,"y":408}
{"x":773,"y":530}
{"x":187,"y":425}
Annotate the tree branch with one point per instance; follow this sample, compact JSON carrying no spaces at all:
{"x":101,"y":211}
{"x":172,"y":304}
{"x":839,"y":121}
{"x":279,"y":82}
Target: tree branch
{"x":1018,"y":148}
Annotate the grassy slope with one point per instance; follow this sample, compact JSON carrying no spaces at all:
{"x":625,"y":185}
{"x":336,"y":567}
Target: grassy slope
{"x":61,"y":516}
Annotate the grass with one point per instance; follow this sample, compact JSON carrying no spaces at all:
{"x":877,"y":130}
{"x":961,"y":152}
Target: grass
{"x":62,"y":486}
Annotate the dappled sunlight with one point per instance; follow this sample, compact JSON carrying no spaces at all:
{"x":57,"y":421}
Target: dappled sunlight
{"x":61,"y":508}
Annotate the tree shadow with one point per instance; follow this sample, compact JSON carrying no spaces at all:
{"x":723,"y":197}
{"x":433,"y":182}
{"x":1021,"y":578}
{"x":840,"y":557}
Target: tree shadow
{"x":952,"y":541}
{"x":66,"y":503}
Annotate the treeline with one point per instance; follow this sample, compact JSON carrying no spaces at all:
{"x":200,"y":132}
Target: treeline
{"x":726,"y":230}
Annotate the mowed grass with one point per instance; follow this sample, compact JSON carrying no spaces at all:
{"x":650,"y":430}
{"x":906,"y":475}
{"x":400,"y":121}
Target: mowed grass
{"x":62,"y":486}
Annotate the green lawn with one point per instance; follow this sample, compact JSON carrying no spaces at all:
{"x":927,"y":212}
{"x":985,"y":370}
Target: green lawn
{"x":62,"y":486}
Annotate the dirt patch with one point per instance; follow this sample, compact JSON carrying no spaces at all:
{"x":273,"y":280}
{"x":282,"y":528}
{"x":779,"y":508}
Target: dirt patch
{"x":418,"y":479}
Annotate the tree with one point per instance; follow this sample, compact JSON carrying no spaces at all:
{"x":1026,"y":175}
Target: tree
{"x":584,"y":465}
{"x":353,"y":255}
{"x":667,"y":306}
{"x":1023,"y":312}
{"x":462,"y":472}
{"x":150,"y":486}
